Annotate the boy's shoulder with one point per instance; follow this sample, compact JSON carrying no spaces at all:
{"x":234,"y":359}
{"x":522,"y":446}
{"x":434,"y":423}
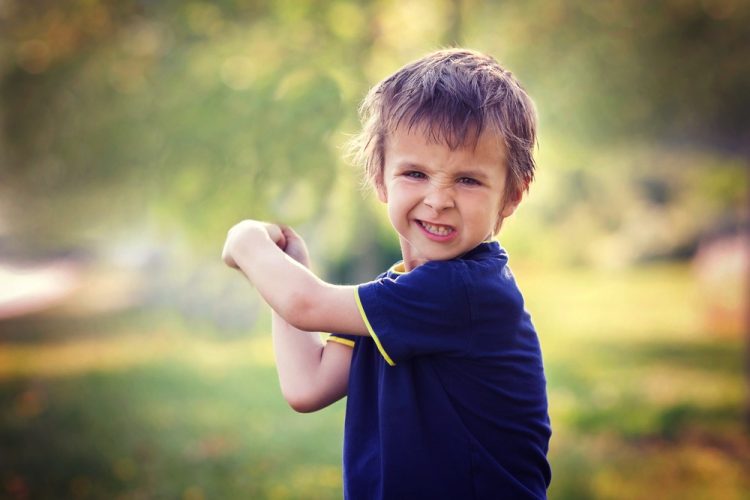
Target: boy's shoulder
{"x":482,"y":262}
{"x":483,"y":270}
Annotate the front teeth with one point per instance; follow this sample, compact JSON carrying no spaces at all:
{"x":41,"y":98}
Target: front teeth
{"x":437,"y":230}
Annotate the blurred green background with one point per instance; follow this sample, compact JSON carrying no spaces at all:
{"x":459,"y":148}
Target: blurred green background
{"x":133,"y":134}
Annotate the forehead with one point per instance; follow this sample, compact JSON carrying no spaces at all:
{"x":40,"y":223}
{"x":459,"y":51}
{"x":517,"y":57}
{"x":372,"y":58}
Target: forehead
{"x":420,"y":143}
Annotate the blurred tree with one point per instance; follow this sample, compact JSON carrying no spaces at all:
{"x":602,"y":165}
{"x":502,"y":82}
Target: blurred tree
{"x":670,"y":70}
{"x":205,"y":112}
{"x":216,"y":110}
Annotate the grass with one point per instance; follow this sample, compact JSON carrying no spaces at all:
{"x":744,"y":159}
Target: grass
{"x":158,"y":413}
{"x":646,"y":402}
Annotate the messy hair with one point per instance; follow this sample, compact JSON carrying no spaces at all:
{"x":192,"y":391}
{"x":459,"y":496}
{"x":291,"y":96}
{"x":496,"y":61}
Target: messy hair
{"x":453,"y":95}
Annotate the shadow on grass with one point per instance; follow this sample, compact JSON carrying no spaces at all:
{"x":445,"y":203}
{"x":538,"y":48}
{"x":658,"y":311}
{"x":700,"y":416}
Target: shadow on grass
{"x":51,"y":327}
{"x":632,"y":420}
{"x":711,"y":355}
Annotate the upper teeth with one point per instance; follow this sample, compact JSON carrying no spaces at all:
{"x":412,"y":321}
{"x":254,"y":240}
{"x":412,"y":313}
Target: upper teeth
{"x":439,"y":230}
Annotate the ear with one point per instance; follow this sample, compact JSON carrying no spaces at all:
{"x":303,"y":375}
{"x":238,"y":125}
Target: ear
{"x":510,"y":204}
{"x":381,"y":191}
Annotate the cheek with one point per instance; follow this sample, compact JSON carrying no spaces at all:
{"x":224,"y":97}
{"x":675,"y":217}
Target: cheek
{"x":396,"y":203}
{"x":397,"y":216}
{"x":400,"y":203}
{"x":399,"y":193}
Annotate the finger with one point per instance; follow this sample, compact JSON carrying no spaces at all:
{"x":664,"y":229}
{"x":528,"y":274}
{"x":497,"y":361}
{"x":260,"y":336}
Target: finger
{"x":289,"y":233}
{"x":276,"y":234}
{"x":282,"y":242}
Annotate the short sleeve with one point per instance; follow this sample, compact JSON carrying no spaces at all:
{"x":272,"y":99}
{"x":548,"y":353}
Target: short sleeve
{"x":422,"y":312}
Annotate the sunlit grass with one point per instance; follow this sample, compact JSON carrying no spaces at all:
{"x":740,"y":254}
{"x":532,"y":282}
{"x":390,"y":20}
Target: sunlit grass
{"x":174,"y":425}
{"x":645,"y":402}
{"x":130,"y":349}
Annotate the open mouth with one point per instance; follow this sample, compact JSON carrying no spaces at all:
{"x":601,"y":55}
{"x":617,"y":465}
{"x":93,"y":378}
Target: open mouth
{"x":435,"y":229}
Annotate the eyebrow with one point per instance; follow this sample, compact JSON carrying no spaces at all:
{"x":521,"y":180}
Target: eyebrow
{"x":407,"y":164}
{"x":472,"y":173}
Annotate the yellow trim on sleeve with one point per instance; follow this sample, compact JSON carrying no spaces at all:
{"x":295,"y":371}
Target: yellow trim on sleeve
{"x":340,"y":340}
{"x":372,"y":333}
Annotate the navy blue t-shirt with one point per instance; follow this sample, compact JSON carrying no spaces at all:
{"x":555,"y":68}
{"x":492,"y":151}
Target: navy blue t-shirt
{"x":447,"y":397}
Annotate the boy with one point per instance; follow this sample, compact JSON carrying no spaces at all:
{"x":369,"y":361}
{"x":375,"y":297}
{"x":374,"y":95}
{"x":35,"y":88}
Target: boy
{"x":440,"y":362}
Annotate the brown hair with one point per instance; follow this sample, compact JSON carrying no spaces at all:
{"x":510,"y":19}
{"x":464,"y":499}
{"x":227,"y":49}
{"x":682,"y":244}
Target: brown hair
{"x":454,"y":94}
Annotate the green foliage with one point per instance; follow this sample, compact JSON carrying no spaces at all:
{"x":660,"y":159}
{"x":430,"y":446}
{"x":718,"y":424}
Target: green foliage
{"x":672,"y":70}
{"x":183,"y":117}
{"x":202,"y":113}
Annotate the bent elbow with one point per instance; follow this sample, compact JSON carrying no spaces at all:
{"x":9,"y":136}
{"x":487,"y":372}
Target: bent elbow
{"x":303,"y":407}
{"x":302,"y":403}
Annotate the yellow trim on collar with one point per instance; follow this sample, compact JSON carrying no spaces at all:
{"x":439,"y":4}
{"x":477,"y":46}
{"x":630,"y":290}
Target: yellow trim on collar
{"x":340,"y":340}
{"x":372,"y":333}
{"x":399,"y":268}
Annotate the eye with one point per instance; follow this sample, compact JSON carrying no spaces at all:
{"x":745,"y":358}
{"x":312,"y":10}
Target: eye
{"x":469,"y":181}
{"x":414,"y":174}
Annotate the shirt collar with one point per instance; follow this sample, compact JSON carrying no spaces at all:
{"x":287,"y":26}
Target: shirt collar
{"x":486,"y":248}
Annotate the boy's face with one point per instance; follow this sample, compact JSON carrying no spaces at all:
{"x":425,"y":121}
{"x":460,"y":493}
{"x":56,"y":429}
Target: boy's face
{"x":443,"y":202}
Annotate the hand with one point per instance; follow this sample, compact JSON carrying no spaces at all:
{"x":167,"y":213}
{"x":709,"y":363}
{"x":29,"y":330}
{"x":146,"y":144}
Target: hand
{"x":241,"y":236}
{"x":295,"y":246}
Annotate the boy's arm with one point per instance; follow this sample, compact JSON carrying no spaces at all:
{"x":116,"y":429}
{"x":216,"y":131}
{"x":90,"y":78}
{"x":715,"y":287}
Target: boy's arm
{"x":293,"y":291}
{"x":311,"y":375}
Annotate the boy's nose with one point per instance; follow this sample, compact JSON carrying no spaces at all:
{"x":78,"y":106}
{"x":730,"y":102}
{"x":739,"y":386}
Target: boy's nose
{"x":439,"y":198}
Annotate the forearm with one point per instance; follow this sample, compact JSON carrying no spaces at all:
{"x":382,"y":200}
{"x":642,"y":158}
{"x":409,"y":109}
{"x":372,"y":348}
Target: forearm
{"x":282,"y":282}
{"x":311,"y":376}
{"x":297,"y":355}
{"x":293,"y":291}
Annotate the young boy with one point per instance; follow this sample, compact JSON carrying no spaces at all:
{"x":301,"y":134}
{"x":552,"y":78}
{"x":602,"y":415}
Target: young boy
{"x":440,"y":361}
